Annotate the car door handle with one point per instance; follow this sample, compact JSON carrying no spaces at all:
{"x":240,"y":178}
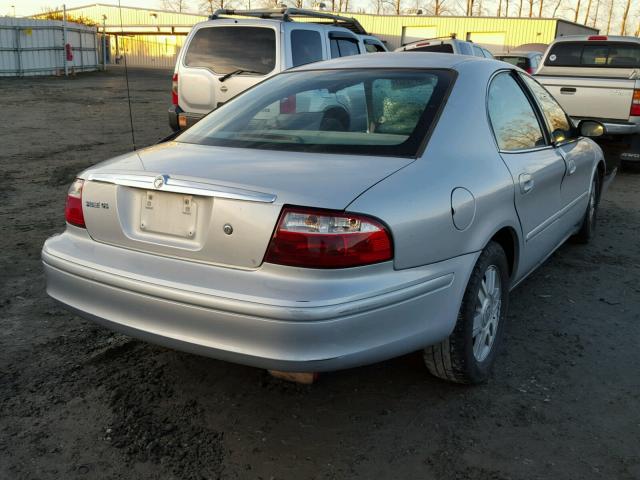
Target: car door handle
{"x":571,"y":167}
{"x":526,"y":182}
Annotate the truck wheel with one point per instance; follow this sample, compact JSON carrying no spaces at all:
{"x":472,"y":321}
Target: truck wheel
{"x":467,"y":356}
{"x":588,"y":228}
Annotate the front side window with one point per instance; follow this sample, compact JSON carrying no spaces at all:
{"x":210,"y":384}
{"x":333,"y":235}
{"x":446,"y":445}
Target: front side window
{"x":366,"y":111}
{"x":373,"y":47}
{"x":557,"y":120}
{"x":343,"y":47}
{"x":306,"y":47}
{"x":227,"y":49}
{"x":514,"y":122}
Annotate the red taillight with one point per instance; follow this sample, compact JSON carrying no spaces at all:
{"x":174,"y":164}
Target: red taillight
{"x":423,"y":44}
{"x":174,"y":89}
{"x":73,"y":208}
{"x":598,"y":37}
{"x":529,"y":70}
{"x":312,"y":238}
{"x":635,"y":104}
{"x":288,"y":105}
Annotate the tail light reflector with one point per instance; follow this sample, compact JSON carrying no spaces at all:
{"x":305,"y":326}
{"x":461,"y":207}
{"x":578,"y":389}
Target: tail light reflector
{"x":635,"y":104}
{"x":73,"y":208}
{"x":597,"y":37}
{"x":311,"y":238}
{"x":174,"y":89}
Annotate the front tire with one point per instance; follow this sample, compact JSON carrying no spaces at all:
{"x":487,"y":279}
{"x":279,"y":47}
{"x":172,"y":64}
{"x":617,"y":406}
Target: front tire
{"x":468,"y":355}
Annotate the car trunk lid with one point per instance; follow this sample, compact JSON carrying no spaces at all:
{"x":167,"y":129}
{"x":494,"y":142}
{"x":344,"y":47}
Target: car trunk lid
{"x":214,"y":204}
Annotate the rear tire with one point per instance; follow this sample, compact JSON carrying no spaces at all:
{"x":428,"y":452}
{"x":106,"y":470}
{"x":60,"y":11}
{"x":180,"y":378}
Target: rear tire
{"x":468,"y":355}
{"x":588,"y":229}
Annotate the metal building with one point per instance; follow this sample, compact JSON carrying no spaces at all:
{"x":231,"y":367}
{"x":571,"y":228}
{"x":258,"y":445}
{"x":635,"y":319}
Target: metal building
{"x":153,"y":38}
{"x":37,"y":47}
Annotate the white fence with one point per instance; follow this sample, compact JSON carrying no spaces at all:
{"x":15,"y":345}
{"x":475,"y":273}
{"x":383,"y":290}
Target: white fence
{"x":37,"y":47}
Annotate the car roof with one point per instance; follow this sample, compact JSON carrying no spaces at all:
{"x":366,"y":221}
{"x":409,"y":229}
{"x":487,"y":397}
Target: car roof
{"x":396,"y":60}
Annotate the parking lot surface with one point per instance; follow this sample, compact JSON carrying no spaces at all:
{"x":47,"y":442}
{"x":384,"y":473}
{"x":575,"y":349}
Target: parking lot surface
{"x":78,"y":401}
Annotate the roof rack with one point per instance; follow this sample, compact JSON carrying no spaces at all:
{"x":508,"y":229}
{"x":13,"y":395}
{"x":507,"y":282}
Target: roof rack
{"x":288,"y":14}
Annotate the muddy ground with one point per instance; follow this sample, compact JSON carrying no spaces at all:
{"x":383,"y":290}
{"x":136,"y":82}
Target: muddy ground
{"x":78,"y":401}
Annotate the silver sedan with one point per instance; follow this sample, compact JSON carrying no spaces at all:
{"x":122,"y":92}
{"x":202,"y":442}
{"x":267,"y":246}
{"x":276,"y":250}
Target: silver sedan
{"x":335,"y":215}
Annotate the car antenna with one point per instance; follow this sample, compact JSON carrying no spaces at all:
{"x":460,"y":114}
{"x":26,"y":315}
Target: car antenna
{"x":126,"y":76}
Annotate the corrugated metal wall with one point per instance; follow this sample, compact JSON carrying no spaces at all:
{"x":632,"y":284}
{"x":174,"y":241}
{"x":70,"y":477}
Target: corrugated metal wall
{"x":145,"y":50}
{"x":517,"y":31}
{"x":36,"y":47}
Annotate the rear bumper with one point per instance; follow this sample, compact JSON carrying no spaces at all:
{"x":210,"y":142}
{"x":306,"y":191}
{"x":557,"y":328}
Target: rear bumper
{"x":307,"y":321}
{"x":189,"y":119}
{"x":621,"y":128}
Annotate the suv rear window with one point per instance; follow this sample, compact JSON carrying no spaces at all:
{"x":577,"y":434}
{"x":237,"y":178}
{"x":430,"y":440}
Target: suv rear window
{"x":227,"y":49}
{"x":362,"y":111}
{"x":593,"y":54}
{"x":441,"y":48}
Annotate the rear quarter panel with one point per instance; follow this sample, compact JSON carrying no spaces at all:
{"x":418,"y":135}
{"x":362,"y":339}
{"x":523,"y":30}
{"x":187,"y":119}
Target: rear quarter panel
{"x":416,"y":201}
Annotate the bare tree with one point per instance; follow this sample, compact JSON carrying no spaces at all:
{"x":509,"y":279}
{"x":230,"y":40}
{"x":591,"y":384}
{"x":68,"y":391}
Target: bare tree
{"x":506,"y":9}
{"x":595,"y":16}
{"x":540,"y":9}
{"x":555,"y":10}
{"x":470,"y":5}
{"x":520,"y":9}
{"x":175,"y":5}
{"x":439,"y":8}
{"x":623,"y":28}
{"x":610,"y":15}
{"x":575,"y":19}
{"x":499,"y":14}
{"x":586,"y":16}
{"x":530,"y":8}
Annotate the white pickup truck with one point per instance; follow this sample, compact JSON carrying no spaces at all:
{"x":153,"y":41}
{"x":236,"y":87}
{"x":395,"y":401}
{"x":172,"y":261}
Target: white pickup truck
{"x":598,"y":77}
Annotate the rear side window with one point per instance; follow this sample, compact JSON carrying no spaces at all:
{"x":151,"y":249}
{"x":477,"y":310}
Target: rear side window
{"x":477,"y":51}
{"x":465,"y":48}
{"x":514,"y":122}
{"x":227,"y":49}
{"x":306,"y":47}
{"x":593,"y":54}
{"x":343,"y":47}
{"x":441,"y":48}
{"x":557,"y":119}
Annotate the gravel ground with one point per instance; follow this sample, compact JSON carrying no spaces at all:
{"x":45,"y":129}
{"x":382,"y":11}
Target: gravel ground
{"x":78,"y":401}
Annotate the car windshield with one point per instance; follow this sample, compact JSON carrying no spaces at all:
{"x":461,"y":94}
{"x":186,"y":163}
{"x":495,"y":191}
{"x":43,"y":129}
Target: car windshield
{"x":593,"y":54}
{"x":365,"y":111}
{"x":228,"y":49}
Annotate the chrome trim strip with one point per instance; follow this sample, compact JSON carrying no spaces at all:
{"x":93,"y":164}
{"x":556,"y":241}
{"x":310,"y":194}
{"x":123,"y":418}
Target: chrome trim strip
{"x":176,"y":185}
{"x":554,"y":217}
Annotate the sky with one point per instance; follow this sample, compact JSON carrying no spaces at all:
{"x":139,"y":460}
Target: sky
{"x":29,"y":7}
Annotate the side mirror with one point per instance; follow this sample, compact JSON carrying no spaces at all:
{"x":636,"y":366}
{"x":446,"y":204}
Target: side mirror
{"x":591,"y":128}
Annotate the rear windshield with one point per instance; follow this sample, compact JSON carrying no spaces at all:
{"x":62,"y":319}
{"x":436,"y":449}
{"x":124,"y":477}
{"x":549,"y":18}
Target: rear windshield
{"x":227,"y":49}
{"x":372,"y":111}
{"x":594,"y":54}
{"x":441,"y":48}
{"x":521,"y":62}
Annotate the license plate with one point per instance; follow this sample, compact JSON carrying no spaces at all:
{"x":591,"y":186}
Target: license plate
{"x":169,"y":214}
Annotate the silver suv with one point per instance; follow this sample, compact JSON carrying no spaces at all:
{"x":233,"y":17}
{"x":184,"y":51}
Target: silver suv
{"x":446,"y":45}
{"x":236,"y":49}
